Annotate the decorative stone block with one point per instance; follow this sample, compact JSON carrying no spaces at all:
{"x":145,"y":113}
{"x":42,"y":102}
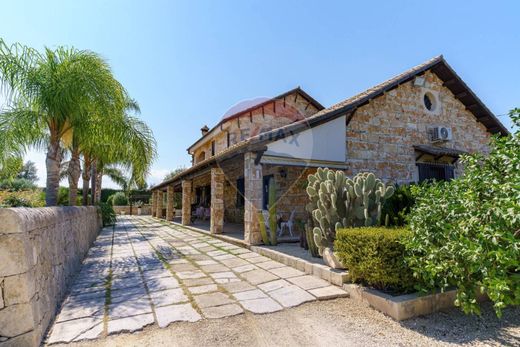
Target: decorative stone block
{"x":19,"y":288}
{"x":15,"y":254}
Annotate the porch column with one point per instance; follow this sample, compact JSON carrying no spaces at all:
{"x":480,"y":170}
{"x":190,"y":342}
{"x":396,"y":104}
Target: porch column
{"x":186,"y":202}
{"x":217,"y":201}
{"x":159,"y":203}
{"x":253,"y":181}
{"x":170,"y":211}
{"x":154,"y":203}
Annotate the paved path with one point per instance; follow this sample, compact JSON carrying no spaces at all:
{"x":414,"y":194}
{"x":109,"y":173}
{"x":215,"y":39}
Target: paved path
{"x":144,"y":272}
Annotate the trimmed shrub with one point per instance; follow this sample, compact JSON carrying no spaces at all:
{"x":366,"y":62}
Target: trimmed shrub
{"x":375,"y":256}
{"x":119,"y":199}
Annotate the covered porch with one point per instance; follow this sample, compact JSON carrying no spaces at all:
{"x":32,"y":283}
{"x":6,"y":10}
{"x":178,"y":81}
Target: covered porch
{"x":228,"y":192}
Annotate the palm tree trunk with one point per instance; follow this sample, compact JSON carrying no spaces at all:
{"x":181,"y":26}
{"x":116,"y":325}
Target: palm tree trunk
{"x":52,"y":163}
{"x":93,"y":183}
{"x":74,"y":171}
{"x":86,"y":178}
{"x":99,"y":179}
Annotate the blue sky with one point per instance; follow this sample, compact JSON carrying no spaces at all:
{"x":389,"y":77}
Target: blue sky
{"x":188,"y":62}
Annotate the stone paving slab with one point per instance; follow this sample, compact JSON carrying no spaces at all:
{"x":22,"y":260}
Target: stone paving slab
{"x":144,"y":272}
{"x":176,"y":313}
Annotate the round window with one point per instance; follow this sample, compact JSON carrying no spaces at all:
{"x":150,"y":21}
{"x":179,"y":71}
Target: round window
{"x":429,"y":101}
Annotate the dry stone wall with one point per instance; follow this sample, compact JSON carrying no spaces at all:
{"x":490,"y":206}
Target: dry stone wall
{"x":41,"y":250}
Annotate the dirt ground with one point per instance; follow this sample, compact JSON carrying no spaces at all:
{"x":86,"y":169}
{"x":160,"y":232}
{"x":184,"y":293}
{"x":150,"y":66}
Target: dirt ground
{"x":340,"y":322}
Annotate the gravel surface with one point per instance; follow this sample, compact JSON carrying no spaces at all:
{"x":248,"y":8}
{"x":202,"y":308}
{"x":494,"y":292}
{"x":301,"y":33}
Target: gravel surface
{"x":340,"y":322}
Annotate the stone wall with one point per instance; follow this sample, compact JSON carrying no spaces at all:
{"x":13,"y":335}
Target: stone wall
{"x":145,"y":210}
{"x":381,"y":134}
{"x":41,"y":250}
{"x":291,"y":191}
{"x":233,"y":170}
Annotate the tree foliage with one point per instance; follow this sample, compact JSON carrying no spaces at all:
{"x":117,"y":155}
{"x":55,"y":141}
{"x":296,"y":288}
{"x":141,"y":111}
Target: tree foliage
{"x":68,"y":99}
{"x":29,"y":172}
{"x":466,"y":232}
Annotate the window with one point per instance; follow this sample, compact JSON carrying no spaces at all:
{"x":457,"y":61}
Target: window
{"x":240,"y":192}
{"x":212,"y":148}
{"x":228,"y":139}
{"x":439,"y":172}
{"x":430,"y":103}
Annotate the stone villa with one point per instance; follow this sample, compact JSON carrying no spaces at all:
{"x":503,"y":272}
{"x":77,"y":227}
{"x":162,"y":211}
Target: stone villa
{"x":406,"y":129}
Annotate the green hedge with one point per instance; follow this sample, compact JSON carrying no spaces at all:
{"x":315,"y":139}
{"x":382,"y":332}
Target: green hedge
{"x":375,"y":256}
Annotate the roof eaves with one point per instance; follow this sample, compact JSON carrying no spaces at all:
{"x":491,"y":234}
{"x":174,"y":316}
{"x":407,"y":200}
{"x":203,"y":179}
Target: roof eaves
{"x":249,"y":109}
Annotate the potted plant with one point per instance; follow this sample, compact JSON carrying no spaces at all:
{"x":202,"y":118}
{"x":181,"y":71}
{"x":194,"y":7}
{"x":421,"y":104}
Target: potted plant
{"x":139,"y":205}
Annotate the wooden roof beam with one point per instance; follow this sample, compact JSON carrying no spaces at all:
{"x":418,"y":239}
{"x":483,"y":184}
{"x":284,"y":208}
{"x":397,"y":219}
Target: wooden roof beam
{"x":450,"y":82}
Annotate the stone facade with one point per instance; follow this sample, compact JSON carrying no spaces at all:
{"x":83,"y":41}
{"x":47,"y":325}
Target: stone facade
{"x":217,"y":201}
{"x":291,"y":182}
{"x":273,"y":115}
{"x":381,"y":134}
{"x":233,"y":171}
{"x":41,"y":250}
{"x":380,"y":138}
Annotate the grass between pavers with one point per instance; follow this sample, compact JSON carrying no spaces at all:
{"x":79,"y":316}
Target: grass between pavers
{"x":108,"y":286}
{"x":239,"y":275}
{"x":165,"y":263}
{"x":186,"y":291}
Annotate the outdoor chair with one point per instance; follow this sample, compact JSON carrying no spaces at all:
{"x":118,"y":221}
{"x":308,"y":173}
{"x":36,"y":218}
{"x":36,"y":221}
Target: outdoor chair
{"x":265,"y":214}
{"x":288,"y":225}
{"x":207,"y":213}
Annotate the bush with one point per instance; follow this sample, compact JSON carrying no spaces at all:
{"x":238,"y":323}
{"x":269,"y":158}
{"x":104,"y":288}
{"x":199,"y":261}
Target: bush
{"x":375,"y":256}
{"x":119,"y":199}
{"x":17,"y":184}
{"x":107,"y":214}
{"x":27,"y":198}
{"x":15,"y":201}
{"x":398,"y":206}
{"x":466,"y":232}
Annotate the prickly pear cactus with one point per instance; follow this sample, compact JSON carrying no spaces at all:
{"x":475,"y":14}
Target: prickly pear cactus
{"x":338,"y":202}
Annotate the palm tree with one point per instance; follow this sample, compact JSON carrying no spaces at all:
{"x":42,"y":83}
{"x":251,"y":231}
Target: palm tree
{"x":133,"y":148}
{"x":50,"y":94}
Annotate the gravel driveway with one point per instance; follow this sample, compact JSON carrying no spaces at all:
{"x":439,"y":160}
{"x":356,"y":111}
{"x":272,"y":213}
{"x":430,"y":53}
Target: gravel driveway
{"x":339,"y":322}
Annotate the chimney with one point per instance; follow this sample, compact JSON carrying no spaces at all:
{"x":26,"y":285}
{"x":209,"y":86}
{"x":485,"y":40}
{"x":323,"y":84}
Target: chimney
{"x":204,"y":130}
